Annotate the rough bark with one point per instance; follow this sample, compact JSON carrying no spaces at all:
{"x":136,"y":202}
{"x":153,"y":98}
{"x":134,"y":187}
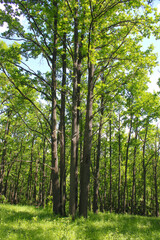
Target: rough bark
{"x":96,"y":174}
{"x":15,"y":199}
{"x":144,"y":169}
{"x":85,"y":163}
{"x":133,"y":201}
{"x":155,"y":179}
{"x":4,"y":152}
{"x":119,"y":164}
{"x":29,"y":182}
{"x":126,"y":164}
{"x":62,"y":134}
{"x":43,"y":173}
{"x":74,"y":155}
{"x":55,"y":172}
{"x":110,"y":158}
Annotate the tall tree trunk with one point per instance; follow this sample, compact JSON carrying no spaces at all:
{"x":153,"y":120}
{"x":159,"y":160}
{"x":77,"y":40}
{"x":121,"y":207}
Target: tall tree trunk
{"x":15,"y":199}
{"x":126,"y":164}
{"x":79,"y":115}
{"x":36,"y":178}
{"x":7,"y":177}
{"x":144,"y":168}
{"x":119,"y":164}
{"x":62,"y":134}
{"x":55,"y":172}
{"x":105,"y":178}
{"x":110,"y":157}
{"x":29,"y":182}
{"x":133,"y":201}
{"x":155,"y":174}
{"x":74,"y":155}
{"x":4,"y":152}
{"x":85,"y":163}
{"x":43,"y":173}
{"x":96,"y":173}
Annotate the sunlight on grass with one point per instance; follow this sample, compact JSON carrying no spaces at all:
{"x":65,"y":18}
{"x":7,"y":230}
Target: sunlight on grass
{"x":28,"y":222}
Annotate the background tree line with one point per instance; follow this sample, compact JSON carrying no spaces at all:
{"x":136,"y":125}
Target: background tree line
{"x":80,"y":128}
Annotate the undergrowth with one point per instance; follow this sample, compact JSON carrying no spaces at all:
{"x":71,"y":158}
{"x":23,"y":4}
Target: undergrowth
{"x":30,"y":223}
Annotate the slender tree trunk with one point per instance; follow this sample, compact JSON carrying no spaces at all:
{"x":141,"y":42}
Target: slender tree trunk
{"x":55,"y":172}
{"x":74,"y":155}
{"x":133,"y":202}
{"x":15,"y":199}
{"x":110,"y":157}
{"x":7,"y":177}
{"x":43,"y":173}
{"x":85,"y":163}
{"x":126,"y":164}
{"x":62,"y":134}
{"x":144,"y":169}
{"x":79,"y":115}
{"x":119,"y":165}
{"x":4,"y":152}
{"x":105,"y":179}
{"x":155,"y":176}
{"x":29,"y":182}
{"x":96,"y":174}
{"x":36,"y":179}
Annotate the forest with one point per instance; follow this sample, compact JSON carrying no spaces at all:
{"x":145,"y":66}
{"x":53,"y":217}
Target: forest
{"x":78,"y":127}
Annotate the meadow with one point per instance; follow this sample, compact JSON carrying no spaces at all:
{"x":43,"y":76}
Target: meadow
{"x":31,"y":223}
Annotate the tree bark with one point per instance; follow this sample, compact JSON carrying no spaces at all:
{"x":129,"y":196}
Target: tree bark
{"x":126,"y":163}
{"x":110,"y":158}
{"x":62,"y":134}
{"x":144,"y":168}
{"x":119,"y":164}
{"x":55,"y":172}
{"x":29,"y":182}
{"x":4,"y":152}
{"x":155,"y":176}
{"x":96,"y":174}
{"x":43,"y":173}
{"x":85,"y":163}
{"x":133,"y":201}
{"x":74,"y":155}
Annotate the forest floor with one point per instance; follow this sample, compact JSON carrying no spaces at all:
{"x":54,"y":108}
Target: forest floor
{"x":31,"y":223}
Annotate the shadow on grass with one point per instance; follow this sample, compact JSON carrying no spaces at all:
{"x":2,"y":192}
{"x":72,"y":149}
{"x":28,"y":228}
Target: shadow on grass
{"x":112,"y":226}
{"x":29,"y":223}
{"x":17,"y":222}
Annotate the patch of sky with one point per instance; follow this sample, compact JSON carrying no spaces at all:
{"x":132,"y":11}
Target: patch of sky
{"x":156,"y":43}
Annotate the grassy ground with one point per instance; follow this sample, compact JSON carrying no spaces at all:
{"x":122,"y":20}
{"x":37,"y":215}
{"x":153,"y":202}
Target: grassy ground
{"x":23,"y":222}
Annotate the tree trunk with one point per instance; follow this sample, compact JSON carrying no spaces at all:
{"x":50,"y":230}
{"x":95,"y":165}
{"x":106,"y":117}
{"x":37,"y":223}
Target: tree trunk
{"x":74,"y":155}
{"x":119,"y":165}
{"x":105,"y":179}
{"x":85,"y":163}
{"x":144,"y":169}
{"x":36,"y":179}
{"x":43,"y":173}
{"x":55,"y":173}
{"x":96,"y":173}
{"x":62,"y":135}
{"x":126,"y":164}
{"x":4,"y":152}
{"x":110,"y":157}
{"x":15,"y":200}
{"x":133,"y":201}
{"x":29,"y":182}
{"x":155,"y":175}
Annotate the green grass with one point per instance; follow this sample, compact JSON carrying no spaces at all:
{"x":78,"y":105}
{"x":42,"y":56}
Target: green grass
{"x":28,"y":222}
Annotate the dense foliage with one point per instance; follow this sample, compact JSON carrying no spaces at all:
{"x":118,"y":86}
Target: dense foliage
{"x":78,"y":125}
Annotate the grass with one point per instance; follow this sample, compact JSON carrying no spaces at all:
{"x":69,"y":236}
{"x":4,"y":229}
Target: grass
{"x":30,"y":223}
